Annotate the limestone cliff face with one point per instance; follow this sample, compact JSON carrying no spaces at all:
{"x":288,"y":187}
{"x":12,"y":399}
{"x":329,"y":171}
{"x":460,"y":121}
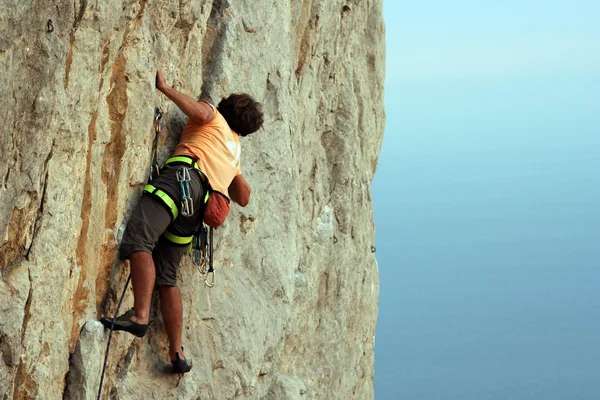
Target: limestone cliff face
{"x":293,"y":313}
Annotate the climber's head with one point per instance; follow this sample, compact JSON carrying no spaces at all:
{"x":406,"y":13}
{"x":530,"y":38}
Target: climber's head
{"x":242,"y":113}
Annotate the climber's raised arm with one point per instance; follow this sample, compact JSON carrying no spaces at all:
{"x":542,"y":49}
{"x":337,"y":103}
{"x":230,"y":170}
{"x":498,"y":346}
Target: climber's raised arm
{"x":198,"y":111}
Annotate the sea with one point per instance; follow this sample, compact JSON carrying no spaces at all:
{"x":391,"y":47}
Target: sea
{"x":487,"y":212}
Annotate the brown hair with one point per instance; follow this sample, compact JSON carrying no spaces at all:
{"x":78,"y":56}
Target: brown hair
{"x":242,"y":113}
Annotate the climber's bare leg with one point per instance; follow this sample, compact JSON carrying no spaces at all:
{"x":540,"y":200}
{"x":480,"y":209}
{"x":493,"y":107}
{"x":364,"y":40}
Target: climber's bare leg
{"x":143,"y":276}
{"x":172,"y":312}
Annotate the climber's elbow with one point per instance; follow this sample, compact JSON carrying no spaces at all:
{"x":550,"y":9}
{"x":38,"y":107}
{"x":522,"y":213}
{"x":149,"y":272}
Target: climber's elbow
{"x":239,"y":191}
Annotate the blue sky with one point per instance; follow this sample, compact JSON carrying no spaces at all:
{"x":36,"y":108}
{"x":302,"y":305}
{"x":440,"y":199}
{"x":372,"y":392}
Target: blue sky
{"x":449,"y":40}
{"x":486,"y":201}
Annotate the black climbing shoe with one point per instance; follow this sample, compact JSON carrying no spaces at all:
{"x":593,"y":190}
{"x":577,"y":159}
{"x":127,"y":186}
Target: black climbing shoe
{"x":179,"y":366}
{"x":124,"y":323}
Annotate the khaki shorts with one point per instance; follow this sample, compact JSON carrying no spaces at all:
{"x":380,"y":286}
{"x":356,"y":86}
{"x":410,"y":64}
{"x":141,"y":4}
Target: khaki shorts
{"x":150,"y":219}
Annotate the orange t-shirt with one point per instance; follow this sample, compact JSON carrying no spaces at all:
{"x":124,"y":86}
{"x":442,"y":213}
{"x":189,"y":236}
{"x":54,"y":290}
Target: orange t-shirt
{"x":216,"y":147}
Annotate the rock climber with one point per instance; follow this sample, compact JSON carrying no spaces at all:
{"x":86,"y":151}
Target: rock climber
{"x":154,"y":239}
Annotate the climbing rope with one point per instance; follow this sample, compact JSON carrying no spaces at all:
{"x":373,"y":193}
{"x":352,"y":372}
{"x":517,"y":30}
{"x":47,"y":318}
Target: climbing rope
{"x":110,"y":336}
{"x":205,"y":247}
{"x":154,"y":172}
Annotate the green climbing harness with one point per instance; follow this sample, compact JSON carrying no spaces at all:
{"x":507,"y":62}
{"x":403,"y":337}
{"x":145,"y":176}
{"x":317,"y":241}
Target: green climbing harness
{"x":164,"y":198}
{"x":169,"y":202}
{"x":201,"y":241}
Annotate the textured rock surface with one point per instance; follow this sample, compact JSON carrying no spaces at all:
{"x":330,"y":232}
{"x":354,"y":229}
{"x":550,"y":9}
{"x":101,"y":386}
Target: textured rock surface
{"x":293,"y":313}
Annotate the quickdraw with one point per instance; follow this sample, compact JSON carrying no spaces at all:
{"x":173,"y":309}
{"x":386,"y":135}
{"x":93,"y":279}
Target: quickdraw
{"x":202,"y":253}
{"x":154,"y":169}
{"x":196,"y":250}
{"x":187,"y":204}
{"x":210,"y":274}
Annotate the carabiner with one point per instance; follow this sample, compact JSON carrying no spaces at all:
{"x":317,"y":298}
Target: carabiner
{"x":210,"y":279}
{"x":157,"y":118}
{"x":187,"y":204}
